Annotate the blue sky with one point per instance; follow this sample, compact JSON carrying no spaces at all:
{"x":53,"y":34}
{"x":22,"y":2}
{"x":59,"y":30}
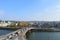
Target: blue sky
{"x":30,"y":10}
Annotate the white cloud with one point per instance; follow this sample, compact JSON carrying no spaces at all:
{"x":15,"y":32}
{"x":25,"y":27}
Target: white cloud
{"x":57,"y":6}
{"x":1,"y":12}
{"x":54,"y":13}
{"x":51,"y":13}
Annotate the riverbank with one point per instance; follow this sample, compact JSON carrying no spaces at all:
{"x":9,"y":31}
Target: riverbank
{"x":10,"y":28}
{"x":39,"y":30}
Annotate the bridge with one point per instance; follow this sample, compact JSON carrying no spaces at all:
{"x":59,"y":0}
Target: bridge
{"x":20,"y":33}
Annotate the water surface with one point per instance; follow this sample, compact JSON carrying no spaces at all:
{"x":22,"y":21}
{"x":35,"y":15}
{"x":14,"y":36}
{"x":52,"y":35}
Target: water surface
{"x":44,"y":36}
{"x":6,"y":31}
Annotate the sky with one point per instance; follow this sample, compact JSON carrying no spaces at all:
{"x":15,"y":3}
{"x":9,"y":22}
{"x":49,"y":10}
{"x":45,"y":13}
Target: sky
{"x":30,"y":10}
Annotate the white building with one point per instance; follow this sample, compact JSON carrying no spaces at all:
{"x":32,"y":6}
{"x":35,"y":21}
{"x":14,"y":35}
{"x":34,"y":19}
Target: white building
{"x":3,"y":23}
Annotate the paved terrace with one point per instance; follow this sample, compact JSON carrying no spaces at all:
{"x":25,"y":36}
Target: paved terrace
{"x":21,"y":33}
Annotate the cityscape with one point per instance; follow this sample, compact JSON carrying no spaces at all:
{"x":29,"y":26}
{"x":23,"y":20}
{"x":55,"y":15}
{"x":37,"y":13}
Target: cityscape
{"x":29,"y":19}
{"x":22,"y":27}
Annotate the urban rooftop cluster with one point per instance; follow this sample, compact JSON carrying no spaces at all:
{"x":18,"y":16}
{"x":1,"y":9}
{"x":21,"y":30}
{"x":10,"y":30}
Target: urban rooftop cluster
{"x":13,"y":24}
{"x":20,"y":24}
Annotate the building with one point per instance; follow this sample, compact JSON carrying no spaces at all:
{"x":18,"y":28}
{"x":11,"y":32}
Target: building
{"x":4,"y":24}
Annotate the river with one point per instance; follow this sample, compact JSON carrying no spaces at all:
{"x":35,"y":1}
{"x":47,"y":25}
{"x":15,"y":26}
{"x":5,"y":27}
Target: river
{"x":36,"y":35}
{"x":6,"y":31}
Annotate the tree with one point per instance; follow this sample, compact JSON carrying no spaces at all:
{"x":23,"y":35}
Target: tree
{"x":24,"y":24}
